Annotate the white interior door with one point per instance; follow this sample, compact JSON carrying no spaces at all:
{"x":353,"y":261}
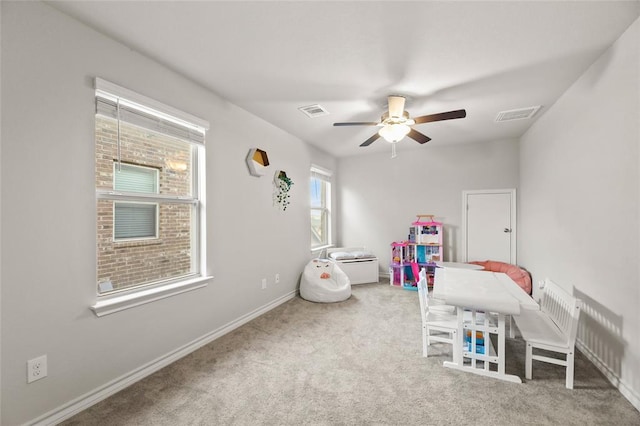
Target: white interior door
{"x":489,"y":222}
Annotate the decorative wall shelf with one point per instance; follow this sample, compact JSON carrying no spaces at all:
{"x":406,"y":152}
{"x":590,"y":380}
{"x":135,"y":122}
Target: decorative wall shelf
{"x":257,"y":161}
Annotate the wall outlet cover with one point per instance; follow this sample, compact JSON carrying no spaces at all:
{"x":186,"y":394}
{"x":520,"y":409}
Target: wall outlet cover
{"x":37,"y":368}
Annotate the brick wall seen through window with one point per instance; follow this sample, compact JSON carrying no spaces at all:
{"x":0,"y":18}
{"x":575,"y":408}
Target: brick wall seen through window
{"x":132,"y":262}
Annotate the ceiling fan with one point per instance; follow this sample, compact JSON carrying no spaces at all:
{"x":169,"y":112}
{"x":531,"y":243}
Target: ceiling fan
{"x":396,"y":123}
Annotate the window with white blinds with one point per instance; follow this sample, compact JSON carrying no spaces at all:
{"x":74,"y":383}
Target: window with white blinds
{"x":135,"y":220}
{"x":149,"y":171}
{"x":130,"y":178}
{"x":320,"y":192}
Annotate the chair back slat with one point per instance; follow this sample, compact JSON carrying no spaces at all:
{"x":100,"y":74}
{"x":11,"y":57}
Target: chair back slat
{"x":422,"y":274}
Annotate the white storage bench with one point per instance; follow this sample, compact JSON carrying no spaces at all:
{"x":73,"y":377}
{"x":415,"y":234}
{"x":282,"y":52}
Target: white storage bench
{"x":360,"y":265}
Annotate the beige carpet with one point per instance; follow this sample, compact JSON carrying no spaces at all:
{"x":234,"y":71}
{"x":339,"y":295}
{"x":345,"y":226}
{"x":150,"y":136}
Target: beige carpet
{"x":353,"y":363}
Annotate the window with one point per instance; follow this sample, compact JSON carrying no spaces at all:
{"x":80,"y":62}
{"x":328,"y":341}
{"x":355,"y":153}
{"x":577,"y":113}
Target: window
{"x":149,"y":171}
{"x":135,"y":220}
{"x":320,"y":190}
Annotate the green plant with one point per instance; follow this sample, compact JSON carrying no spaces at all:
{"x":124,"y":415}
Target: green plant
{"x":281,"y":194}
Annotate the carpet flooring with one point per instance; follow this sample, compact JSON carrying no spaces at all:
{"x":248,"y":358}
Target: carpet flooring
{"x":357,"y":362}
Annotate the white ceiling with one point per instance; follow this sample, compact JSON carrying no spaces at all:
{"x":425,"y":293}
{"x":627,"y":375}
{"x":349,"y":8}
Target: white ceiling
{"x":272,"y":57}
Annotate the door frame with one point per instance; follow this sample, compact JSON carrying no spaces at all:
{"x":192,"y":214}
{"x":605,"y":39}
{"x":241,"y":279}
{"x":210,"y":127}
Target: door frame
{"x":514,"y":227}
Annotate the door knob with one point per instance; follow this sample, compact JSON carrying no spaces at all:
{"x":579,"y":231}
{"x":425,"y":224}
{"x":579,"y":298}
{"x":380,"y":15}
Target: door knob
{"x":507,"y":230}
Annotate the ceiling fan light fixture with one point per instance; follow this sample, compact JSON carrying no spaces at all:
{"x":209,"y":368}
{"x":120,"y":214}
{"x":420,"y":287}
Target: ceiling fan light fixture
{"x":394,"y":132}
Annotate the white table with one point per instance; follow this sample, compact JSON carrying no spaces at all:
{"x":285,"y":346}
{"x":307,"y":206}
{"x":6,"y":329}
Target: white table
{"x":486,"y":294}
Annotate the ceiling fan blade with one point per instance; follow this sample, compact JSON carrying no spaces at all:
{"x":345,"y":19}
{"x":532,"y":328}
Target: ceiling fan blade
{"x":396,"y":106}
{"x":371,"y":140}
{"x":450,"y":115}
{"x":418,"y":137}
{"x":358,"y":123}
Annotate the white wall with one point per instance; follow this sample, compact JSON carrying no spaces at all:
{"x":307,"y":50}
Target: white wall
{"x":48,"y":214}
{"x":579,"y":223}
{"x":380,"y":196}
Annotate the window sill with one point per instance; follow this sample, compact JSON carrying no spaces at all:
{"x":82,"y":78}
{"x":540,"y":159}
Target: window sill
{"x":136,"y":243}
{"x":321,"y":248}
{"x":111,"y":304}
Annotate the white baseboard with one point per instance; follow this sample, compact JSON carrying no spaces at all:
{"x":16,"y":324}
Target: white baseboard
{"x":85,"y":401}
{"x":616,"y":381}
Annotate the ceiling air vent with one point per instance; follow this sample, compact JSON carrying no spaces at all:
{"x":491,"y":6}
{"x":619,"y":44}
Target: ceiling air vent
{"x":517,"y":114}
{"x":314,"y":111}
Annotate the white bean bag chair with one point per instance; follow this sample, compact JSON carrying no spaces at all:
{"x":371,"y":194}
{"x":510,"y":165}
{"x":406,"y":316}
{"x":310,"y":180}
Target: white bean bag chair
{"x":323,"y":281}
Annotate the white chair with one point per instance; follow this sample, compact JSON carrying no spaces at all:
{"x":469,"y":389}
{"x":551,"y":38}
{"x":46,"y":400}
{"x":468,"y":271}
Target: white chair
{"x":443,"y":322}
{"x":441,"y":318}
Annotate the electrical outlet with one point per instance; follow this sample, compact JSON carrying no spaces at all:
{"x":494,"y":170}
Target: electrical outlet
{"x":36,"y":368}
{"x":277,"y":280}
{"x":264,"y":283}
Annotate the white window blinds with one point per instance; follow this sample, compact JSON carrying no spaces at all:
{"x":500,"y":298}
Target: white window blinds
{"x":120,"y":103}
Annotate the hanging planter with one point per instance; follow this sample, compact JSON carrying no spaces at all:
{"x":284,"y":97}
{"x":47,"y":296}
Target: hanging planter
{"x":282,"y":184}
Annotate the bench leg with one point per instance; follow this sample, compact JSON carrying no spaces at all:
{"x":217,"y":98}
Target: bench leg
{"x":528,"y":361}
{"x":569,"y":368}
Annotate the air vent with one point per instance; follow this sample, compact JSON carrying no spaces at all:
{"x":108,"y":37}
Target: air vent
{"x":314,"y":111}
{"x":517,"y":114}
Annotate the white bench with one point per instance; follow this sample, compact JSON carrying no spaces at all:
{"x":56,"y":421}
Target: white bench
{"x":360,"y":265}
{"x":552,"y":328}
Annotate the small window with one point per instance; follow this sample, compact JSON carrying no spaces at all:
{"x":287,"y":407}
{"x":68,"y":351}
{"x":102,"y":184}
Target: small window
{"x":320,"y":191}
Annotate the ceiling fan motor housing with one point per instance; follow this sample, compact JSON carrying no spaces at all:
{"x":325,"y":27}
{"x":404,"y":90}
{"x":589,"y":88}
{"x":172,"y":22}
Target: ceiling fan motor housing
{"x":396,"y":106}
{"x":387,"y":120}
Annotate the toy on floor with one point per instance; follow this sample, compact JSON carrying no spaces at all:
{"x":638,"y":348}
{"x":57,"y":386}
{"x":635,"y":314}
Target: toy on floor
{"x":323,"y":281}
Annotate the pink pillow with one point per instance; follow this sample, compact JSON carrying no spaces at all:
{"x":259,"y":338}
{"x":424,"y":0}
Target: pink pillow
{"x":517,"y":274}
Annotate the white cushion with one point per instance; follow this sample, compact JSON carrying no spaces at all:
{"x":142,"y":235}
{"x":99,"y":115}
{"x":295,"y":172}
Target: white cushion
{"x":363,"y":255}
{"x":341,"y":255}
